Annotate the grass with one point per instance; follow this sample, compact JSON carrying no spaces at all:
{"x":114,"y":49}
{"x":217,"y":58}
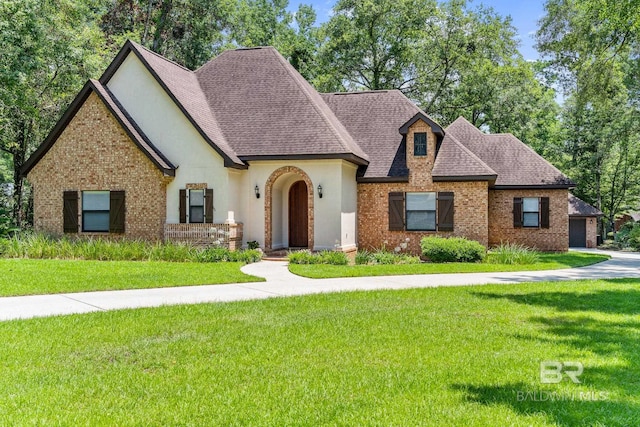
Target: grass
{"x":44,"y":276}
{"x":445,"y":356}
{"x":547,"y":261}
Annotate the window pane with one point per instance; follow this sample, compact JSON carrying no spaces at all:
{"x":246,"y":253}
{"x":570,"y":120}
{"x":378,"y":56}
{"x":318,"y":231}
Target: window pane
{"x":421,"y":220}
{"x":95,"y":221}
{"x":530,"y":219}
{"x":530,"y":204}
{"x":95,"y":200}
{"x":196,"y":197}
{"x":420,"y":144}
{"x":196,"y":214}
{"x":421,"y":201}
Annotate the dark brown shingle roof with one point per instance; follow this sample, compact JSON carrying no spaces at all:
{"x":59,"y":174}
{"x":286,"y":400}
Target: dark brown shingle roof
{"x":267,"y":109}
{"x":456,"y":162}
{"x":516,"y":164}
{"x":578,"y":207}
{"x":182,"y":84}
{"x":123,"y":118}
{"x":373,"y":119}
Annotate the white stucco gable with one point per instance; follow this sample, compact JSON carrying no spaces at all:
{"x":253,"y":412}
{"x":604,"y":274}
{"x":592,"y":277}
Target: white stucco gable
{"x":172,"y":133}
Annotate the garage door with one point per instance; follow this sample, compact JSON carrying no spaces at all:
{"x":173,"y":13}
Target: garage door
{"x":578,"y":233}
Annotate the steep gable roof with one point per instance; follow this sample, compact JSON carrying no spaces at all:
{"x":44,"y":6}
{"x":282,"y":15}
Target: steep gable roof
{"x":182,"y":86}
{"x":124,"y":119}
{"x":516,"y":164}
{"x":266,"y":109}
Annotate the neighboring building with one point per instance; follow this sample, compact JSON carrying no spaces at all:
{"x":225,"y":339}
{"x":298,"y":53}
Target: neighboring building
{"x":622,"y":219}
{"x":583,"y":223}
{"x":245,"y":149}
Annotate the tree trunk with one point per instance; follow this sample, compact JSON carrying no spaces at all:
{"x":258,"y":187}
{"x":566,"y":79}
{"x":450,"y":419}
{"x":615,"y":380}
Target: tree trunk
{"x":165,"y":10}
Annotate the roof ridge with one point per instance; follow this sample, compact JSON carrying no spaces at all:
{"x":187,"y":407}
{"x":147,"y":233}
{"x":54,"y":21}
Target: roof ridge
{"x":471,"y":153}
{"x":468,"y":124}
{"x":137,"y":45}
{"x":287,"y":67}
{"x":357,"y":92}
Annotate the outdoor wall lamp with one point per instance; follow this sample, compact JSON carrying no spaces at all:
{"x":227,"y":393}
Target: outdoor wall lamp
{"x":320,"y":191}
{"x":257,"y":191}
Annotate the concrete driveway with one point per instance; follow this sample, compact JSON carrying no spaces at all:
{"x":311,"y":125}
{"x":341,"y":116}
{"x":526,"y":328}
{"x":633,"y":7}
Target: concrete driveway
{"x":281,"y":283}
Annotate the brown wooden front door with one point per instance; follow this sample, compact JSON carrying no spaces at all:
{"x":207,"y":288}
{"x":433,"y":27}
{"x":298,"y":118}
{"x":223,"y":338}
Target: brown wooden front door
{"x":298,"y":215}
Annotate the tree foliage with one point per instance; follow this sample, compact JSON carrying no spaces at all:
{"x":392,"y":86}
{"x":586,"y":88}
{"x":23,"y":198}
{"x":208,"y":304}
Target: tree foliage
{"x":49,"y":48}
{"x":593,"y":47}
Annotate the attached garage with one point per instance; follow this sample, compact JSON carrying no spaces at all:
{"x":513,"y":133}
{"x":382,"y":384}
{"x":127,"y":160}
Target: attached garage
{"x":583,"y":223}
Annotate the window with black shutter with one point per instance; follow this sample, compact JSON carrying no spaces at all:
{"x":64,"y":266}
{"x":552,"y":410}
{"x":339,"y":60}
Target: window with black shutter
{"x":196,"y":206}
{"x":103,"y":211}
{"x":425,"y":211}
{"x":531,"y":212}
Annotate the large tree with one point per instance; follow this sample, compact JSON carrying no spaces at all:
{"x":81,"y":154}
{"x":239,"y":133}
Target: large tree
{"x":592,"y":48}
{"x":49,"y":48}
{"x":450,"y":59}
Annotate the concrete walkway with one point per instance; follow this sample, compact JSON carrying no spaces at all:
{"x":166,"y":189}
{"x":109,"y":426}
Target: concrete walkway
{"x":280,"y":282}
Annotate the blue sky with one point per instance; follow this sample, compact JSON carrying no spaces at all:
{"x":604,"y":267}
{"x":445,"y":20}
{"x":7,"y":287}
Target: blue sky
{"x":524,"y":14}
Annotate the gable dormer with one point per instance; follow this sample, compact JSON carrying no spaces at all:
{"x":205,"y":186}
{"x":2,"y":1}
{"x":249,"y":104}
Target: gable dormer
{"x":423,"y":137}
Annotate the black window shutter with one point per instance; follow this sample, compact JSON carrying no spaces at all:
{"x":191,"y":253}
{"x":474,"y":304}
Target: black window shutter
{"x":116,"y":212}
{"x":396,"y":211}
{"x":445,"y":211}
{"x":70,"y":211}
{"x":544,"y":212}
{"x":517,"y":212}
{"x":208,"y":205}
{"x":183,"y":206}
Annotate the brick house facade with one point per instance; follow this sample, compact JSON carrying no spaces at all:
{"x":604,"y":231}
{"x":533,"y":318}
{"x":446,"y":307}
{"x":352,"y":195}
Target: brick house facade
{"x":152,"y":148}
{"x":111,"y":162}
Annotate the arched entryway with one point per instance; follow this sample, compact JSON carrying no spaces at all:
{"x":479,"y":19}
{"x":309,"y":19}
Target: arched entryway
{"x":288,"y":209}
{"x":298,"y":211}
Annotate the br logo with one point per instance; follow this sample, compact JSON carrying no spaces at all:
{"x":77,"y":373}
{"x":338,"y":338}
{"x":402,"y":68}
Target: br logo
{"x":551,"y":371}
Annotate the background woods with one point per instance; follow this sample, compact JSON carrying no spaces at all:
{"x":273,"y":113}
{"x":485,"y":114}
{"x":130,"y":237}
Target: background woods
{"x":578,"y":106}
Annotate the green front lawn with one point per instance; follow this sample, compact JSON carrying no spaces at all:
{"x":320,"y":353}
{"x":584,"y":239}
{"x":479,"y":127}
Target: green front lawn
{"x":463,"y":356}
{"x":548,"y":261}
{"x":49,"y":276}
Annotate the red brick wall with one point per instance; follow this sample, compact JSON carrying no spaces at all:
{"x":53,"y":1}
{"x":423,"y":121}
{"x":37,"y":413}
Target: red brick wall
{"x":95,"y":153}
{"x":501,"y":229}
{"x":470,"y":202}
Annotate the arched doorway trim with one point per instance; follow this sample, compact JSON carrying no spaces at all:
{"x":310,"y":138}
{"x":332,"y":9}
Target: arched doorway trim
{"x":268,"y":203}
